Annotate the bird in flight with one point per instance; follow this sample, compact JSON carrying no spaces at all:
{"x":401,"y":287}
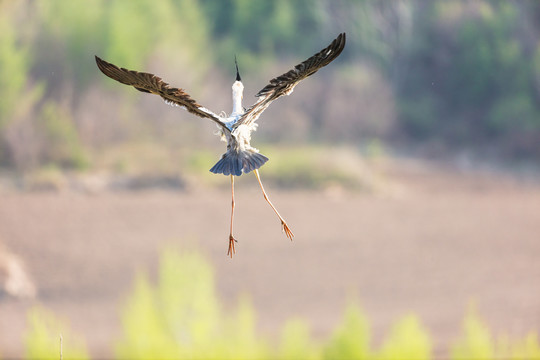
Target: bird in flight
{"x":236,"y":128}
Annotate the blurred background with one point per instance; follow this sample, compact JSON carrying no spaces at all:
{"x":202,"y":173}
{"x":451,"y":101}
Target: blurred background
{"x":408,"y":170}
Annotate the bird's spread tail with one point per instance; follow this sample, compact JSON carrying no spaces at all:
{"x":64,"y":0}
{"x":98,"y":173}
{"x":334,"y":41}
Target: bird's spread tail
{"x":232,"y":163}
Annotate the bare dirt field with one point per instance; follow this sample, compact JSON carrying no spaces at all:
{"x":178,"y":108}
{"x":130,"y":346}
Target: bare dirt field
{"x":441,"y":240}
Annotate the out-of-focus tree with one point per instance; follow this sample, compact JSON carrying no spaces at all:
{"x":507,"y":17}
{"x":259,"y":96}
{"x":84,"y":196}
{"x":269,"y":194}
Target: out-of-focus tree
{"x":19,"y":92}
{"x":264,"y":28}
{"x":14,"y":64}
{"x":470,"y":76}
{"x":67,"y":35}
{"x":461,"y":73}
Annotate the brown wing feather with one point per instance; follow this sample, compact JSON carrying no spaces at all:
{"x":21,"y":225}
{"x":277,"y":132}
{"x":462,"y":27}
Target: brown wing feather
{"x":153,"y":84}
{"x":284,"y":84}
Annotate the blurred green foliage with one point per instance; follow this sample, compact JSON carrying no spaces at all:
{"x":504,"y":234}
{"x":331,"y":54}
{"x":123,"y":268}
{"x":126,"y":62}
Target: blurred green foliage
{"x":408,"y":340}
{"x":14,"y":66}
{"x":477,"y":342}
{"x":462,"y":73}
{"x":296,"y":342}
{"x":351,"y":340}
{"x":63,"y":146}
{"x":313,"y":167}
{"x":180,"y":317}
{"x":471,"y":70}
{"x":47,"y":337}
{"x":46,"y":178}
{"x":320,"y":167}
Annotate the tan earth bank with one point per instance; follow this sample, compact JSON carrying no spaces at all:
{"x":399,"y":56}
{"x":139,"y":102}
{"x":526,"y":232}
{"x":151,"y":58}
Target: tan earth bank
{"x":437,"y":241}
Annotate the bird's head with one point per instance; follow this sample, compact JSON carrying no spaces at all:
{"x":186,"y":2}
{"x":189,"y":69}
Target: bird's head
{"x":237,"y":72}
{"x":237,"y":87}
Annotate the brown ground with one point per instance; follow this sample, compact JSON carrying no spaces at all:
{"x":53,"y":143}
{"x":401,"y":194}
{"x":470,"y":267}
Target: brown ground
{"x":437,"y":242}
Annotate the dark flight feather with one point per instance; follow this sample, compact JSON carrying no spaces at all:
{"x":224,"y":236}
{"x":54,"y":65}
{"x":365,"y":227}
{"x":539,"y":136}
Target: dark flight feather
{"x":284,"y":84}
{"x":150,"y":83}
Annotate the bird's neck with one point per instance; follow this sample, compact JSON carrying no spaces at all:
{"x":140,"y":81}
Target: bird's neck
{"x":237,"y":103}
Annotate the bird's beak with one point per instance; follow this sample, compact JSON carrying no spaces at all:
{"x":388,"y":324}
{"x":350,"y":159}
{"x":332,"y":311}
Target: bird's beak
{"x":237,"y":72}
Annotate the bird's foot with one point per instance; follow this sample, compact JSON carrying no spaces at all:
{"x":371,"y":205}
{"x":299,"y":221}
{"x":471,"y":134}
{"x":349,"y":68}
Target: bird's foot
{"x":231,"y":250}
{"x":285,"y":228}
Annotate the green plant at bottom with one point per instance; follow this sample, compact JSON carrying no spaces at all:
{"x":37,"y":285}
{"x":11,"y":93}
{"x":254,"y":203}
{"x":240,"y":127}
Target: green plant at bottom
{"x":526,"y":348}
{"x":63,"y":144}
{"x":296,"y":342}
{"x":408,"y":340}
{"x":477,"y":342}
{"x":142,"y":322}
{"x":351,"y":339}
{"x":42,"y":340}
{"x":180,"y":317}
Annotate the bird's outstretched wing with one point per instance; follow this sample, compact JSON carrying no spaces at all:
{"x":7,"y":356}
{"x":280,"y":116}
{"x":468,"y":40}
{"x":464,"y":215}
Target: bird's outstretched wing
{"x":284,"y":84}
{"x":150,"y":83}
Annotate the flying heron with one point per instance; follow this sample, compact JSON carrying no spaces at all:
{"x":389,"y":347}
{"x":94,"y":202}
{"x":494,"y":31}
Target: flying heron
{"x":236,"y":128}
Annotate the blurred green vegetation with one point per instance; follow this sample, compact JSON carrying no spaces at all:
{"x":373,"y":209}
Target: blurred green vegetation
{"x":62,"y":144}
{"x":296,"y":342}
{"x":351,"y":339}
{"x":463,"y":74}
{"x":472,"y":70}
{"x":180,"y":317}
{"x":47,"y":337}
{"x":321,"y":167}
{"x":408,"y":340}
{"x":477,"y":342}
{"x":14,"y":67}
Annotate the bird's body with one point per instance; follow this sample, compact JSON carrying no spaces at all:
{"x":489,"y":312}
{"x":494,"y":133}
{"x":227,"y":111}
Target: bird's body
{"x":236,"y":128}
{"x":240,"y":157}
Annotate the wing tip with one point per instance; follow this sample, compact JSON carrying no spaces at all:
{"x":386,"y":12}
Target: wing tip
{"x":339,"y":43}
{"x":102,"y":65}
{"x":343,"y":38}
{"x":99,"y":60}
{"x":332,"y":52}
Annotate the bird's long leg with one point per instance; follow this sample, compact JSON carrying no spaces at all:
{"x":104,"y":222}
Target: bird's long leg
{"x":232,"y":240}
{"x":284,"y":225}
